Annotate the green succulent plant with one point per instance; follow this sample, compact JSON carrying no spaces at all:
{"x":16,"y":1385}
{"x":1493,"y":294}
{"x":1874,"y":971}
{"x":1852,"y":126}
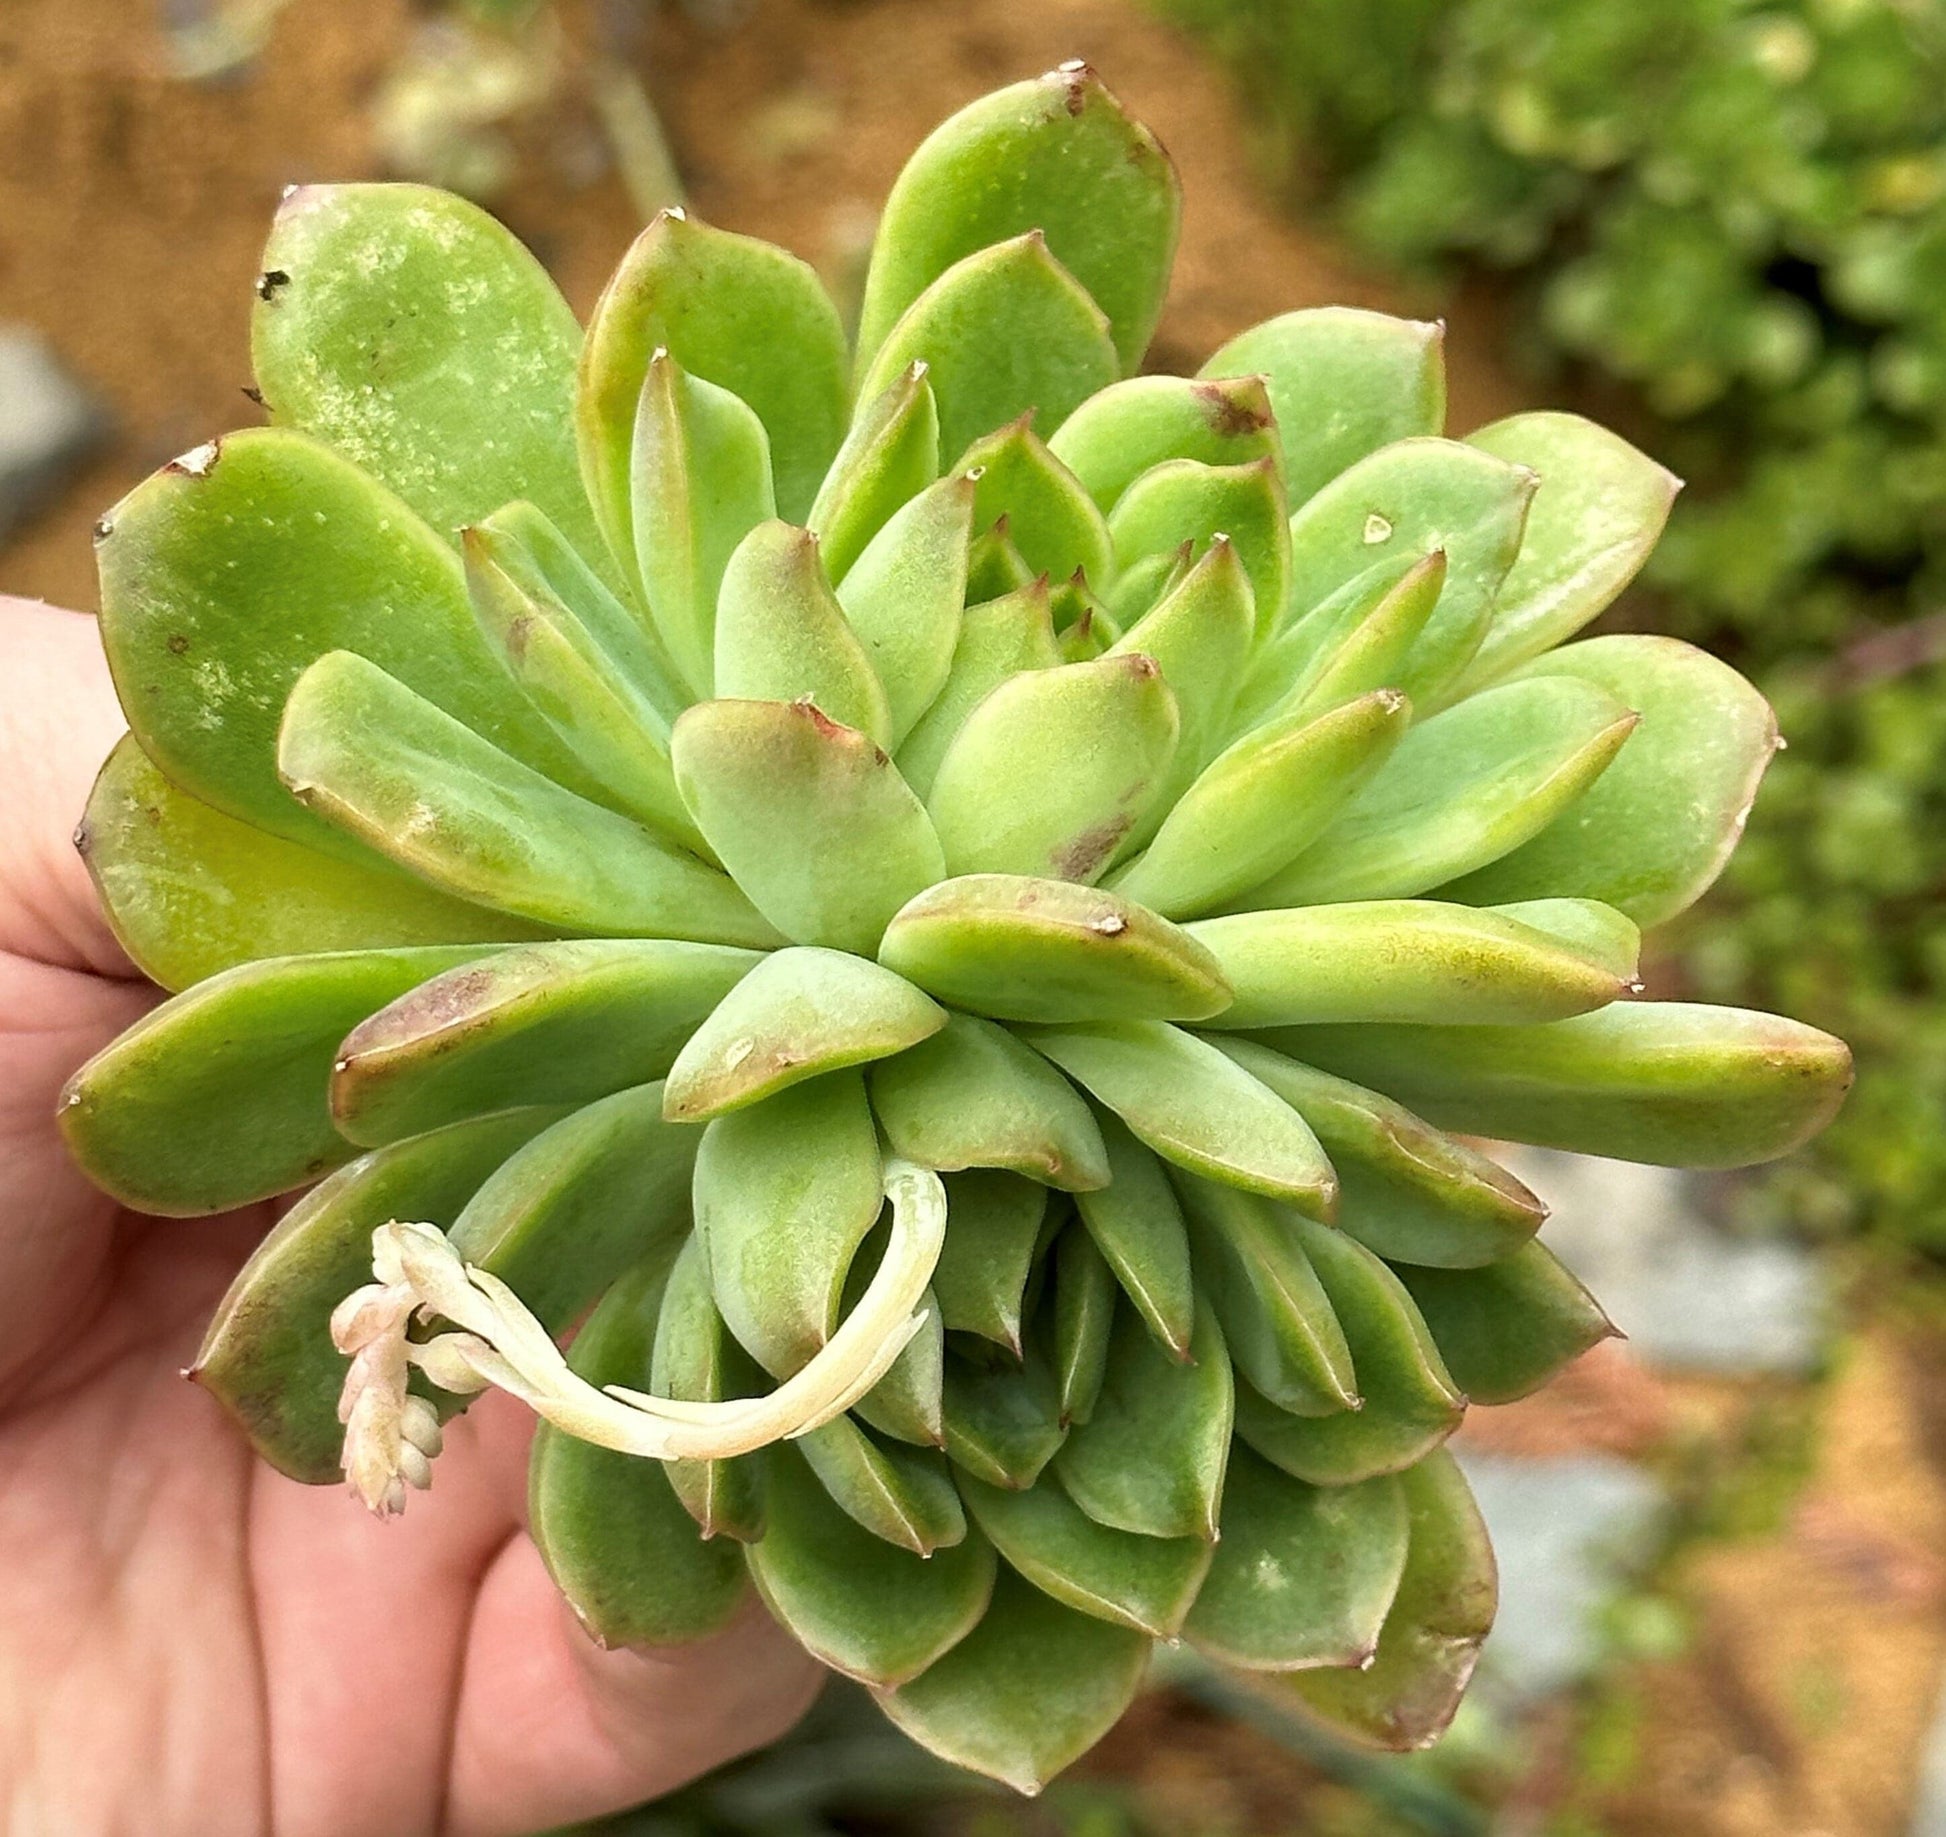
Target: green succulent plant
{"x":941,"y":898}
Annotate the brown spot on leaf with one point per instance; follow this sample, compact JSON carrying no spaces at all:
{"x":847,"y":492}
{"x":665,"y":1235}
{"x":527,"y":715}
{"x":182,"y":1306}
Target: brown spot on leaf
{"x":270,"y":281}
{"x":84,"y":838}
{"x":1080,"y":857}
{"x":517,"y":636}
{"x":178,"y":643}
{"x":1232,"y":408}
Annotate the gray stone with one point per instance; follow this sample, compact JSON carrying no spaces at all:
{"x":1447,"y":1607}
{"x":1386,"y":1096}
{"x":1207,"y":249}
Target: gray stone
{"x":47,"y":423}
{"x":1689,"y":1295}
{"x":1568,"y":1532}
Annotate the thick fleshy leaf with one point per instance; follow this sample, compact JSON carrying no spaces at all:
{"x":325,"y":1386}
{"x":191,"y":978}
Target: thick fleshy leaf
{"x":226,"y":575}
{"x":904,"y":1496}
{"x":1277,"y":1318}
{"x":1048,"y":950}
{"x":565,"y":1022}
{"x":1656,"y":829}
{"x":1199,"y":632}
{"x":1052,"y":770}
{"x":904,"y":593}
{"x":190,"y":891}
{"x":993,"y":1226}
{"x":1151,"y":1457}
{"x":697,"y":1361}
{"x":1051,"y":519}
{"x":997,"y":639}
{"x":1352,"y":651}
{"x":1586,"y":926}
{"x":1003,"y":1418}
{"x":1408,"y":1402}
{"x":1084,"y":1319}
{"x":858,"y":1603}
{"x":417,"y":336}
{"x":1183,"y":500}
{"x":267,"y":1356}
{"x":579,"y":685}
{"x":1145,"y":584}
{"x":1194,"y":1106}
{"x":1304,"y":1575}
{"x":1138,"y":1227}
{"x":1399,"y":960}
{"x":890,"y":454}
{"x":785,"y":1193}
{"x":698,"y":483}
{"x":1508,"y":1328}
{"x":1408,"y":499}
{"x":907,"y":1403}
{"x":1005,"y":331}
{"x":1406,"y":1190}
{"x":1033,"y":1687}
{"x":1146,"y":1583}
{"x":1440,"y":1615}
{"x":800,"y":1012}
{"x":1262,"y":803}
{"x":781,"y":634}
{"x":1598,"y":511}
{"x":1342,"y":383}
{"x":995,"y":568}
{"x":810,"y":817}
{"x":1681,"y":1084}
{"x":1057,"y":155}
{"x":611,"y":1530}
{"x":217,"y":1097}
{"x":387,"y":767}
{"x":598,"y":1192}
{"x":1085,"y":628}
{"x":1118,"y":434}
{"x":1460,"y":790}
{"x":975,"y":1096}
{"x":734,"y":311}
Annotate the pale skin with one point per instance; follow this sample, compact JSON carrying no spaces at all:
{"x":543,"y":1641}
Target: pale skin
{"x":188,"y":1641}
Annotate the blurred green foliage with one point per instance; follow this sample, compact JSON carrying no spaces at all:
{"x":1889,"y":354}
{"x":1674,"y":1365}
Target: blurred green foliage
{"x":1724,"y":223}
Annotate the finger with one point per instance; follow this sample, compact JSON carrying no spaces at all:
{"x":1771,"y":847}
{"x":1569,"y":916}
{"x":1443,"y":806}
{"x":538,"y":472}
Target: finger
{"x":58,"y":720}
{"x":550,"y":1729}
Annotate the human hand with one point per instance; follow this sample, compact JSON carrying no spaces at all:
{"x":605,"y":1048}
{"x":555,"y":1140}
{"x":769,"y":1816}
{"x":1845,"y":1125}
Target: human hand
{"x":190,"y":1642}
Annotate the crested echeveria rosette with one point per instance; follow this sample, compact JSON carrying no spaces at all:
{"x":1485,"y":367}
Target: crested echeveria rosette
{"x":942,"y":911}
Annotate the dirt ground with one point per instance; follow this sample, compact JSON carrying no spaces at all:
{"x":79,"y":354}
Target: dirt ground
{"x":132,"y":211}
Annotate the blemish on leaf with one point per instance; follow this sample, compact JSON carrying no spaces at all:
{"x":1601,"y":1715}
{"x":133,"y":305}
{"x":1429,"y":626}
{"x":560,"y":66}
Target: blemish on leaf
{"x":178,"y":643}
{"x":198,"y":462}
{"x":1231,"y":412}
{"x":270,"y":281}
{"x":1378,"y":528}
{"x":1080,"y":857}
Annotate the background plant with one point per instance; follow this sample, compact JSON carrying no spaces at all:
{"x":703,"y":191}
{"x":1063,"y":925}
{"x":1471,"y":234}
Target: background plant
{"x":1737,"y":214}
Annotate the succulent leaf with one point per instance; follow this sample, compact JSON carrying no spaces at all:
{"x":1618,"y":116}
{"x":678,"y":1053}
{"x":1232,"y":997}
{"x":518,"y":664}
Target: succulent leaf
{"x":266,"y":1355}
{"x":1505,"y":1329}
{"x":890,"y":454}
{"x":1034,"y":1686}
{"x":564,"y":1022}
{"x":217,"y":1097}
{"x":1304,"y":1575}
{"x":1050,"y":772}
{"x":190,"y":891}
{"x":1003,"y":1417}
{"x":903,"y":1496}
{"x":1084,"y":1318}
{"x":1194,"y":1107}
{"x":1138,"y":1227}
{"x":800,"y":1012}
{"x":1342,"y":384}
{"x":1183,"y":500}
{"x":1051,"y":520}
{"x":903,"y":596}
{"x":1441,"y":1614}
{"x":1411,"y":498}
{"x":1151,"y":1457}
{"x":1407,"y":1191}
{"x":1056,"y":155}
{"x":975,"y":1096}
{"x":808,"y":816}
{"x":611,"y":1530}
{"x":1004,"y":332}
{"x":698,"y":483}
{"x":409,"y":330}
{"x":982,"y":1276}
{"x":1652,"y":834}
{"x":1684,"y":1084}
{"x":852,"y":1599}
{"x":1465,"y":787}
{"x":1017,"y":948}
{"x":735,"y":312}
{"x":1596,"y":514}
{"x":1145,"y":1583}
{"x":1123,"y":430}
